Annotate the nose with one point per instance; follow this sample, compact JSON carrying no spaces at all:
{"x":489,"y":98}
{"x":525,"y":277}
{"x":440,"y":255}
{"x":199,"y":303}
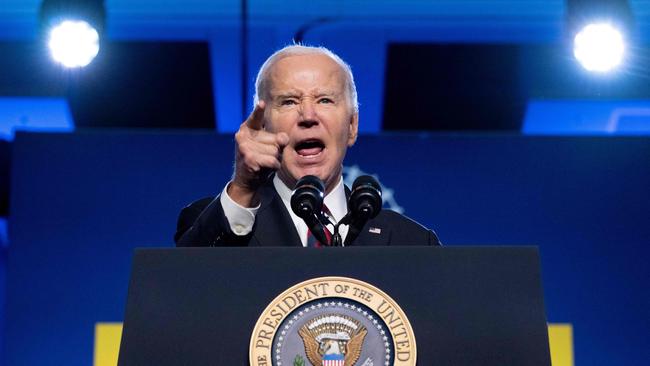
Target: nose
{"x":308,"y":116}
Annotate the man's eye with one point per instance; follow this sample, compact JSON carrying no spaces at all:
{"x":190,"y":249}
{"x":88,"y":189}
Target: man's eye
{"x":288,"y":102}
{"x":325,"y":100}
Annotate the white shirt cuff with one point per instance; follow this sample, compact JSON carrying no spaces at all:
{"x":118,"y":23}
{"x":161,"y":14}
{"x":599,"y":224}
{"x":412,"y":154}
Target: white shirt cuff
{"x":240,"y":218}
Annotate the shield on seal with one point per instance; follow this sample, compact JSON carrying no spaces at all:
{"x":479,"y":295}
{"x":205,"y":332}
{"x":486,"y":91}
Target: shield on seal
{"x":334,"y":360}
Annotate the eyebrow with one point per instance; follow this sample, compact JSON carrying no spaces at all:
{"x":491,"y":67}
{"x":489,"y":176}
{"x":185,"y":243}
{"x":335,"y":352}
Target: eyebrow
{"x":286,"y":95}
{"x":295,"y":94}
{"x":327,"y":93}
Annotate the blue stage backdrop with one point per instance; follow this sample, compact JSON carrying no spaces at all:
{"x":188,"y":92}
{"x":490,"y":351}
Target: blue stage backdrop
{"x":82,"y":202}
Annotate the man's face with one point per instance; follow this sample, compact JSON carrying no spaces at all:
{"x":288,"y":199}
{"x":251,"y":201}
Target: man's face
{"x":308,"y":100}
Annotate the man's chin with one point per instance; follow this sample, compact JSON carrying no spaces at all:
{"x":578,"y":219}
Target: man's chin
{"x":290,"y":179}
{"x":328,"y":176}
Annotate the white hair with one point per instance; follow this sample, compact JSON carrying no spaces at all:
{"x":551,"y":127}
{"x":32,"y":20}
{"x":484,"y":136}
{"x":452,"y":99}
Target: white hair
{"x":262,"y":80}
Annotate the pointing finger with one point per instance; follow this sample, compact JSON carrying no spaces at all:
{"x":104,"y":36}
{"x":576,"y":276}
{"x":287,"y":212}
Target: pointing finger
{"x":256,"y":119}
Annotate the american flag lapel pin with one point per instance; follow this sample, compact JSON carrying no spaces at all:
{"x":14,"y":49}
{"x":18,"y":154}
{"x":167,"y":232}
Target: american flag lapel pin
{"x":374,"y":230}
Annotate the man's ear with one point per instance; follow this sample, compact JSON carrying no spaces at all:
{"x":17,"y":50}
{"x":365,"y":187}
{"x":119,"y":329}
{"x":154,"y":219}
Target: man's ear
{"x":354,"y":129}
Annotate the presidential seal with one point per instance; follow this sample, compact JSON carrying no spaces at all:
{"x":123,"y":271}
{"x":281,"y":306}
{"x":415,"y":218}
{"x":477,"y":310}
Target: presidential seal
{"x":333,"y":321}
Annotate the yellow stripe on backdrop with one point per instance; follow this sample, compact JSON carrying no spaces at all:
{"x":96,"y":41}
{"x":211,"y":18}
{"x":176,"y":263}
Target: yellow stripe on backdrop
{"x":107,"y":343}
{"x":560,"y":340}
{"x":108,"y":336}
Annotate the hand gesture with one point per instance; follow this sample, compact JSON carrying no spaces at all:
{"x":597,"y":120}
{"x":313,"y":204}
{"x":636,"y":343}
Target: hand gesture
{"x":258,"y":154}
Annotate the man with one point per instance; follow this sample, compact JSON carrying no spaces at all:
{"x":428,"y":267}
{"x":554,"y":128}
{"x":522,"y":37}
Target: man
{"x":306,"y":116}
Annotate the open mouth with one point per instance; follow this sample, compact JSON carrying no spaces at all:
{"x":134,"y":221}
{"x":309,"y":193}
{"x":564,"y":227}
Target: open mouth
{"x":311,"y":147}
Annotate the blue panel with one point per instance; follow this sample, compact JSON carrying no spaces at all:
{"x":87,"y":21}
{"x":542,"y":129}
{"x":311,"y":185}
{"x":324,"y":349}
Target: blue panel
{"x":82,"y":202}
{"x":581,"y":117}
{"x":226,"y":76}
{"x":4,"y":238}
{"x":34,"y":114}
{"x":190,"y":12}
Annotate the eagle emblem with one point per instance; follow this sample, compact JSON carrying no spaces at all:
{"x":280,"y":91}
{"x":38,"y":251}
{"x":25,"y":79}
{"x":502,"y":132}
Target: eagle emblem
{"x":333,"y":340}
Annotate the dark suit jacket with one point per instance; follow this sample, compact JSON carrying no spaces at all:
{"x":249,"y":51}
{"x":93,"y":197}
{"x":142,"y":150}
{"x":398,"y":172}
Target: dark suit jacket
{"x":203,"y":223}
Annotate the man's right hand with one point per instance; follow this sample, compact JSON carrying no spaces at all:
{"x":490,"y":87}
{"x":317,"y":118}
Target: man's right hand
{"x":258,"y":153}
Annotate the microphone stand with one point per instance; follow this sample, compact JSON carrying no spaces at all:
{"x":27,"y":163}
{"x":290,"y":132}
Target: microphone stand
{"x":317,"y":228}
{"x":337,"y":240}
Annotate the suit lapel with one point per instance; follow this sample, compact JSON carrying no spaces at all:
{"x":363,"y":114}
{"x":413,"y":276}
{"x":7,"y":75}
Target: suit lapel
{"x":372,"y":234}
{"x":274,"y":226}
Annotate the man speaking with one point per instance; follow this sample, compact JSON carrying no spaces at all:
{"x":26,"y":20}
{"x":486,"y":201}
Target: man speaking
{"x":306,"y":116}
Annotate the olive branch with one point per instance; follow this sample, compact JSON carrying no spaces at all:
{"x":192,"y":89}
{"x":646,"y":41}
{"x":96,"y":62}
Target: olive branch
{"x":298,"y":361}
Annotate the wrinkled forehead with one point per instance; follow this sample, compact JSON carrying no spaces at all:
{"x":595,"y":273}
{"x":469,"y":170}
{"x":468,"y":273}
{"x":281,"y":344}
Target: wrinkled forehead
{"x":323,"y":74}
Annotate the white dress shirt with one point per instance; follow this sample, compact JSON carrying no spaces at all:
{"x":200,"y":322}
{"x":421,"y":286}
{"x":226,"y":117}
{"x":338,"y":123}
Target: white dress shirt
{"x":241,"y":219}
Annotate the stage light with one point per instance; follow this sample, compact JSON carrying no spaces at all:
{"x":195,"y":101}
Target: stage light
{"x":73,"y":43}
{"x":599,"y":33}
{"x":599,"y":47}
{"x":72,"y":30}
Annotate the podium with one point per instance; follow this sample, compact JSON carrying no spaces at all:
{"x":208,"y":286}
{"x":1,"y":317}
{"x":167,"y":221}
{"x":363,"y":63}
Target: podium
{"x":433,"y":306}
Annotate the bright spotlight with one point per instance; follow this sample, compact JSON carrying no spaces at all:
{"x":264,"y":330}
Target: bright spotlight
{"x":599,"y":47}
{"x":73,"y":30}
{"x":73,"y":43}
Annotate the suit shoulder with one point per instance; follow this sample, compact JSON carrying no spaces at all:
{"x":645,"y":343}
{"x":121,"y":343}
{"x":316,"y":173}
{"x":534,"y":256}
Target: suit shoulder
{"x":393,"y":218}
{"x":189,"y":215}
{"x":406,"y":228}
{"x":199,"y":204}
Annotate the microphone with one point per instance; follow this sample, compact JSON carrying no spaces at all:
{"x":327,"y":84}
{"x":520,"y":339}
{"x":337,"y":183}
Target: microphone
{"x":307,"y":203}
{"x":365,"y":199}
{"x":364,"y":204}
{"x":307,"y":196}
